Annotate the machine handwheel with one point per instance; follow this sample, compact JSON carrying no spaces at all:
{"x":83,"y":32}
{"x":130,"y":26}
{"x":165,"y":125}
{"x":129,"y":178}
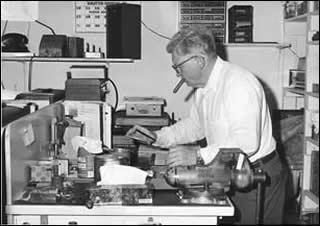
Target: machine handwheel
{"x":89,"y":204}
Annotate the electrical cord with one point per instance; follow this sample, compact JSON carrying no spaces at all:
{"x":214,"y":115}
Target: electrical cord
{"x":160,"y":35}
{"x":30,"y":73}
{"x":4,"y":27}
{"x":46,"y":26}
{"x":116,"y":91}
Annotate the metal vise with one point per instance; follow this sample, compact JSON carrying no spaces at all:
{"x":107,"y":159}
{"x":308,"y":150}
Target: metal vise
{"x":229,"y":168}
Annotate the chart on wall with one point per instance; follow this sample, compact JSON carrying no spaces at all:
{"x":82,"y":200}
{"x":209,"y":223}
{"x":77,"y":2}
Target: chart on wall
{"x":90,"y":16}
{"x":209,"y":14}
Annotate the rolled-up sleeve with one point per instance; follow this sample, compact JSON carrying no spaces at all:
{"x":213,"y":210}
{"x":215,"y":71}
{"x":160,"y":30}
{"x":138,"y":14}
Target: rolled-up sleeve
{"x":184,"y":131}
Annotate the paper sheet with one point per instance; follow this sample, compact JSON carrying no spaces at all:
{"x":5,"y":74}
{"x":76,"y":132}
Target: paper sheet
{"x":121,"y":174}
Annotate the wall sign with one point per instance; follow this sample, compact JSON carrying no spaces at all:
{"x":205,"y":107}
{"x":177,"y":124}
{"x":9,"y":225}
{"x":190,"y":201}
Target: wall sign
{"x":90,"y":16}
{"x":210,"y":14}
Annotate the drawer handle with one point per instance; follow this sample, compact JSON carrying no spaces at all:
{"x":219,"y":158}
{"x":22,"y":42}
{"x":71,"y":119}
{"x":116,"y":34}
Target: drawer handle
{"x":151,"y":222}
{"x":25,"y":223}
{"x":72,"y":223}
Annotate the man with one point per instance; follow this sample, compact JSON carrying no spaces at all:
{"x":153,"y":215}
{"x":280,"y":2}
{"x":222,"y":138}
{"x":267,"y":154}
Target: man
{"x":229,"y":109}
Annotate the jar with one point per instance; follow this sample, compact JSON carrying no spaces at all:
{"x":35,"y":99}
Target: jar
{"x":85,"y":163}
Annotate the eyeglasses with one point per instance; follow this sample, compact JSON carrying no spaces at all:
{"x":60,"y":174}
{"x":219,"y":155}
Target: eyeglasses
{"x":176,"y":67}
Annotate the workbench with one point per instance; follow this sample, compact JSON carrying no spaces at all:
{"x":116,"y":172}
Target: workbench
{"x":165,"y":210}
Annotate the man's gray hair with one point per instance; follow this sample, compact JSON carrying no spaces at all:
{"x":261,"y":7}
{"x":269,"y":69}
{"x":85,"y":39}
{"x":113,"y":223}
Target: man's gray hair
{"x":188,"y":40}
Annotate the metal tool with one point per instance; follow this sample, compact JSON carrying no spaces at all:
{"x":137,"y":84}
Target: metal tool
{"x":202,"y":184}
{"x":178,"y":86}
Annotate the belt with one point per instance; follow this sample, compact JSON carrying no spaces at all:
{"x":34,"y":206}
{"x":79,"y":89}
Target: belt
{"x":264,"y":160}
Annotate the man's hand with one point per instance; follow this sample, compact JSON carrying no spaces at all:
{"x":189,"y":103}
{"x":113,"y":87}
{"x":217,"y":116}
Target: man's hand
{"x":182,"y":155}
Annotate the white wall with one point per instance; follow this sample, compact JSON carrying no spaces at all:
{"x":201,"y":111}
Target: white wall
{"x":152,"y":75}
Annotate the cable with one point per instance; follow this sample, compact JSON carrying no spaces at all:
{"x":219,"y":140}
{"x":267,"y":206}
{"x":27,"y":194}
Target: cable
{"x":117,"y":94}
{"x":46,"y":26}
{"x":294,"y":52}
{"x":162,"y":36}
{"x":5,"y":27}
{"x":30,"y":73}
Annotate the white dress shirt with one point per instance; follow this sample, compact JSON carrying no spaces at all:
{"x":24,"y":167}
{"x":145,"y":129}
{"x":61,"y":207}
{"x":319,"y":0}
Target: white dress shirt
{"x":230,"y":112}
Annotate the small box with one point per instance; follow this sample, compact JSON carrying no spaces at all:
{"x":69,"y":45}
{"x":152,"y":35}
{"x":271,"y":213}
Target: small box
{"x":75,"y":47}
{"x":85,"y":89}
{"x":41,"y":172}
{"x":144,"y":106}
{"x":120,"y":195}
{"x":315,"y":87}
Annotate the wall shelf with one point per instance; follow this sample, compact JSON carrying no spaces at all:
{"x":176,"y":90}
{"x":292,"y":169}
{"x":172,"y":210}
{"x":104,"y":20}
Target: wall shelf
{"x":313,"y":141}
{"x":307,"y":23}
{"x":294,"y":90}
{"x":311,"y":201}
{"x":312,"y":94}
{"x":313,"y":43}
{"x":300,"y":18}
{"x":66,"y":59}
{"x":259,"y":44}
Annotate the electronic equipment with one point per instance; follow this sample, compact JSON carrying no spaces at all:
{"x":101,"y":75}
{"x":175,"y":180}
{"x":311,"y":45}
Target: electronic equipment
{"x":53,"y":46}
{"x":240,"y":24}
{"x":75,"y":47}
{"x":297,"y":78}
{"x":144,"y":106}
{"x":52,"y":95}
{"x":124,"y":31}
{"x":85,"y":89}
{"x":14,"y":42}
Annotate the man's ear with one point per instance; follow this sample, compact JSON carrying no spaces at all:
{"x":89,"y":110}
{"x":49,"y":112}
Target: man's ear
{"x":201,"y":60}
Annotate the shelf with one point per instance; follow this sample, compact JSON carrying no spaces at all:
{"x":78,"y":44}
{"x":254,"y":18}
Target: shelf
{"x":310,"y":202}
{"x":294,"y":90}
{"x":303,"y":17}
{"x":309,"y":139}
{"x":259,"y":44}
{"x":300,"y":18}
{"x":66,"y":59}
{"x":312,"y":94}
{"x":313,"y":43}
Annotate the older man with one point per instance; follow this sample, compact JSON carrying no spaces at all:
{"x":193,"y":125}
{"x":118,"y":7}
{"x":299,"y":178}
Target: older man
{"x":229,"y":109}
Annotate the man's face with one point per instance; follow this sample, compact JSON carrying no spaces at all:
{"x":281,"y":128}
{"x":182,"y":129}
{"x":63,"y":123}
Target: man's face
{"x":188,"y":67}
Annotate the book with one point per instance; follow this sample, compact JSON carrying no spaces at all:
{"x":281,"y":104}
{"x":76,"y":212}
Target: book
{"x":89,"y":71}
{"x":121,"y":119}
{"x":144,"y":100}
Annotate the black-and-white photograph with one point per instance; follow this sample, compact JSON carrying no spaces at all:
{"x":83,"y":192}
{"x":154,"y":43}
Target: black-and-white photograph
{"x":160,"y":112}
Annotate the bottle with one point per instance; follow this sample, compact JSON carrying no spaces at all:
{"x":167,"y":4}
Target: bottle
{"x":85,"y":164}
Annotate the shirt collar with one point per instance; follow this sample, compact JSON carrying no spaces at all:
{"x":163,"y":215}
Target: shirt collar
{"x":214,"y":76}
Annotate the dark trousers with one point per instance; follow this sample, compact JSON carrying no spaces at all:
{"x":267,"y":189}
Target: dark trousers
{"x":273,"y":197}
